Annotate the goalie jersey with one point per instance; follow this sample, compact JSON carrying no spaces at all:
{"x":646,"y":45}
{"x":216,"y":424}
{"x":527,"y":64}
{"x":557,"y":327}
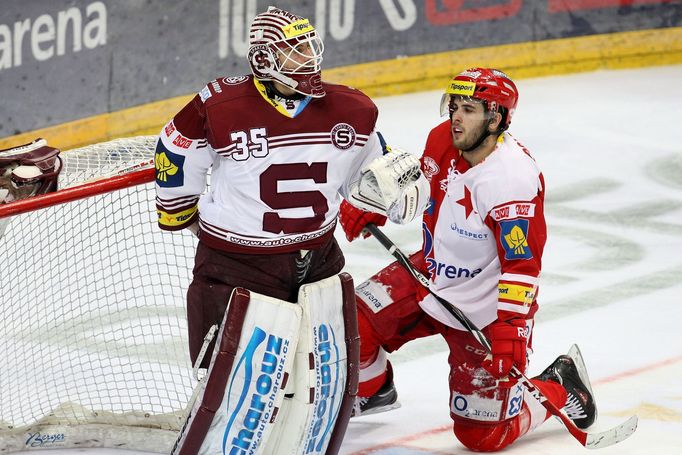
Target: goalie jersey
{"x":484,"y":232}
{"x":277,"y":174}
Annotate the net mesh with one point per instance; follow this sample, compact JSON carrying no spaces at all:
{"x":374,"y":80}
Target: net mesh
{"x":92,"y":320}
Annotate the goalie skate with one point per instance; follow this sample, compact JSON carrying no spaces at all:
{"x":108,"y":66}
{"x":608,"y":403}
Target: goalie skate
{"x":569,"y":371}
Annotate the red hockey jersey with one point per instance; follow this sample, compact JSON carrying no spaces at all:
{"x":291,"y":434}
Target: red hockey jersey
{"x":484,"y":232}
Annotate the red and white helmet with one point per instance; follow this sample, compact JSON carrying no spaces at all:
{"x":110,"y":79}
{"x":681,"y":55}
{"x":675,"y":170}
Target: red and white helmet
{"x":28,"y":170}
{"x":492,"y":86}
{"x":286,"y":48}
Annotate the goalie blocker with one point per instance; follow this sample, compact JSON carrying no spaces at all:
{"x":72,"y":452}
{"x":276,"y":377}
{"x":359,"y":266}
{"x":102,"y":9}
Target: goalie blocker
{"x":282,"y":377}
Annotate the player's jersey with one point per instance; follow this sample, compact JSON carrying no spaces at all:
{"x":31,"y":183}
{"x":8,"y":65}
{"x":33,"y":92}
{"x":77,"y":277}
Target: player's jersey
{"x":277,"y":172}
{"x":484,"y":232}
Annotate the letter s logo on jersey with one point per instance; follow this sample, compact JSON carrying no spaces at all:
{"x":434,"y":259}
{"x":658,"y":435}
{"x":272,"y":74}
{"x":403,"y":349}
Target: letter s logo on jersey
{"x":343,"y":136}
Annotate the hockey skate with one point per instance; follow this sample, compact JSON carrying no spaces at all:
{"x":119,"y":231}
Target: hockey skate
{"x":569,"y":371}
{"x":384,"y":400}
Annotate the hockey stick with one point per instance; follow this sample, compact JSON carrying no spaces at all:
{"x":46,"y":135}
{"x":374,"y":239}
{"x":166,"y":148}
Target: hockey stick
{"x":589,"y":440}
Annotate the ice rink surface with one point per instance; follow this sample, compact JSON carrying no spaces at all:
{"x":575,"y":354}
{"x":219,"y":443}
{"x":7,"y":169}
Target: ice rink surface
{"x":610,"y":146}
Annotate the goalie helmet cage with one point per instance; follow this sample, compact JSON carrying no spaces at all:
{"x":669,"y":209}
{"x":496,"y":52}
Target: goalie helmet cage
{"x":92,"y":315}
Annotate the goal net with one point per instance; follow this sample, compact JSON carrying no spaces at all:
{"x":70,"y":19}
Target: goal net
{"x":93,"y":347}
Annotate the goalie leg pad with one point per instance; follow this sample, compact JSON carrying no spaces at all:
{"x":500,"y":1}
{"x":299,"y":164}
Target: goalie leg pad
{"x":319,"y":401}
{"x":244,"y":387}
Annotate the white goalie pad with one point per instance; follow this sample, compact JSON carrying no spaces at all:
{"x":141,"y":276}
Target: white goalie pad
{"x":392,"y":185}
{"x":242,"y":392}
{"x":319,"y":399}
{"x":283,"y":376}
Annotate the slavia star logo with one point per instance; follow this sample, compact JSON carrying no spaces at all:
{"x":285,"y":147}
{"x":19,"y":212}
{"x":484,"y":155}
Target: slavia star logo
{"x":164,"y":167}
{"x":466,"y":202}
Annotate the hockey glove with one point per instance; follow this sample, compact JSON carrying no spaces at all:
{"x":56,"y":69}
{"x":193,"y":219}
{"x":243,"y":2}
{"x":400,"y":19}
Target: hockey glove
{"x":353,"y":220}
{"x":509,"y":340}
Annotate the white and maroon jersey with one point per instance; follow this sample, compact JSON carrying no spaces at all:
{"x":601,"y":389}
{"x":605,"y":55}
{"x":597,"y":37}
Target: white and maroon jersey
{"x":277,"y":172}
{"x":484,"y":232}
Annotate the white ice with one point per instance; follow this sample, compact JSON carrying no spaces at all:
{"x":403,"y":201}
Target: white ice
{"x":610,"y":145}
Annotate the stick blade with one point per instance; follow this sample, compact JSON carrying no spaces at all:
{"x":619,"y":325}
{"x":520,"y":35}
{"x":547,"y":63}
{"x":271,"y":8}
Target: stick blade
{"x":612,"y":436}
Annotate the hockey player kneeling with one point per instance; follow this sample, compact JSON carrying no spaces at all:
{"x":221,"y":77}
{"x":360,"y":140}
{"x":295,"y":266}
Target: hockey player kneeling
{"x":282,"y":377}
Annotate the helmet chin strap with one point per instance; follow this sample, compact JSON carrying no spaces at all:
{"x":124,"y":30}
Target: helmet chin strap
{"x":272,"y":91}
{"x":282,"y":79}
{"x":482,"y":137}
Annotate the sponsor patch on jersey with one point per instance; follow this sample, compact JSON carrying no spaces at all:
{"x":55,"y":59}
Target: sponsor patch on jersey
{"x":514,"y":239}
{"x":182,"y":142}
{"x":513,"y":210}
{"x":515,"y":402}
{"x":216,"y":87}
{"x":169,"y":129}
{"x":516,"y":293}
{"x":343,"y":136}
{"x":168,"y":166}
{"x":235,"y":80}
{"x":205,"y":94}
{"x":476,"y":407}
{"x":451,"y":271}
{"x":430,"y":168}
{"x":374,"y":295}
{"x":471,"y":235}
{"x":176,"y":219}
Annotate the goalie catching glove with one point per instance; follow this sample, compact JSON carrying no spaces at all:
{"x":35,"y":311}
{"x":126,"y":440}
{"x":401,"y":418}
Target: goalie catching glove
{"x":392,"y":185}
{"x":28,"y":170}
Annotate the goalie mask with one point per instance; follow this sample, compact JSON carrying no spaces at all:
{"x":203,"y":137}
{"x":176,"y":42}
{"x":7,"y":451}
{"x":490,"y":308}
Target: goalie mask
{"x":28,"y":170}
{"x":494,"y":88}
{"x":285,"y":48}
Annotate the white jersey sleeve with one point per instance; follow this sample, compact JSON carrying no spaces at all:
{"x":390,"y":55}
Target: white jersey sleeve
{"x":183,"y":157}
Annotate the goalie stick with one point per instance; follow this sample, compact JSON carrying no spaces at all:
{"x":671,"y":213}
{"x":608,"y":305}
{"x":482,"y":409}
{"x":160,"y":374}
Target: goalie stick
{"x":596,"y":440}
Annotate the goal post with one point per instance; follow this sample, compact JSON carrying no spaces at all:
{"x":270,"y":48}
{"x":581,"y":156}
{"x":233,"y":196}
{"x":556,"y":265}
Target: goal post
{"x":93,"y":332}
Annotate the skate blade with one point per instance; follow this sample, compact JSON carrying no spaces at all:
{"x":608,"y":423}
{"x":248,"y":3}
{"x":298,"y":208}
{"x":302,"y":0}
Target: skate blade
{"x":575,"y":354}
{"x":380,"y":409}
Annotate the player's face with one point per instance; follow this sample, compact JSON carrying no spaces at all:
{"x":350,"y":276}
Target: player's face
{"x":468,"y":120}
{"x":300,"y":56}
